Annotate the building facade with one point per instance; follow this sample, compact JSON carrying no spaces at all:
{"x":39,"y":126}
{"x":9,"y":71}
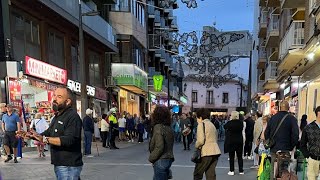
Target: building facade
{"x":39,"y":51}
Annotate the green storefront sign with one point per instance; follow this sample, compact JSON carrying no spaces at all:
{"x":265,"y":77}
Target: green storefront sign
{"x":129,"y":75}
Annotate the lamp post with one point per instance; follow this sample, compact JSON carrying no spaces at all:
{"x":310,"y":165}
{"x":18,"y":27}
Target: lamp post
{"x":82,"y":61}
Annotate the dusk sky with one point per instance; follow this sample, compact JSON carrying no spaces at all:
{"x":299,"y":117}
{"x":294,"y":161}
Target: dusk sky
{"x":228,"y":15}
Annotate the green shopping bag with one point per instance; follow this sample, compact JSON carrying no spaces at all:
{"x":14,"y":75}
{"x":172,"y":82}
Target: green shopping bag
{"x":265,"y":175}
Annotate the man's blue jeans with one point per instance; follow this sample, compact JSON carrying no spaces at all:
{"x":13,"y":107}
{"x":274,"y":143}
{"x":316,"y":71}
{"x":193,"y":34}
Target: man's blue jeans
{"x":67,"y":172}
{"x":162,"y":169}
{"x":87,"y":142}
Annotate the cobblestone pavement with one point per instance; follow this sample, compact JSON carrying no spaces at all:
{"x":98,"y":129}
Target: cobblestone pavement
{"x":129,"y":162}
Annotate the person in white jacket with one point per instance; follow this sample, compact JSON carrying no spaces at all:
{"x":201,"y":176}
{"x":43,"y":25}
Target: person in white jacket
{"x":105,"y":131}
{"x":39,"y":124}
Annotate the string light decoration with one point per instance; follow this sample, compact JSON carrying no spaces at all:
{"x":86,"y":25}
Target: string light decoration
{"x":199,"y":55}
{"x":169,"y":3}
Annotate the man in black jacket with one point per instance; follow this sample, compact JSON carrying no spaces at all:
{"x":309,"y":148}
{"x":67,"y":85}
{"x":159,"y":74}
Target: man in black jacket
{"x":64,"y":136}
{"x":249,"y":136}
{"x":310,"y":146}
{"x":287,"y":136}
{"x":88,"y":128}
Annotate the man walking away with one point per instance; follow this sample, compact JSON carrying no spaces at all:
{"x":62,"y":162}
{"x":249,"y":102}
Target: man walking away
{"x":287,"y":136}
{"x":310,"y":146}
{"x":10,"y":124}
{"x":249,"y":136}
{"x":88,"y":127}
{"x":64,"y":136}
{"x":184,"y":124}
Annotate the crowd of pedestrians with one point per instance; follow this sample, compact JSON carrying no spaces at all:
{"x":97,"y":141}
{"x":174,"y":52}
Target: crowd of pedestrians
{"x":275,"y":139}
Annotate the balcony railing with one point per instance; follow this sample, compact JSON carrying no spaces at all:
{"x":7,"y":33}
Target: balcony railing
{"x":263,"y":17}
{"x":271,"y":71}
{"x":273,"y":24}
{"x":92,"y":24}
{"x":293,"y":39}
{"x":154,"y":41}
{"x":262,"y":53}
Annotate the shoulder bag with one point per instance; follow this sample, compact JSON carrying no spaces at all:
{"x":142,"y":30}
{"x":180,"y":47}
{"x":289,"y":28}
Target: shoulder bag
{"x":269,"y":143}
{"x":196,"y":157}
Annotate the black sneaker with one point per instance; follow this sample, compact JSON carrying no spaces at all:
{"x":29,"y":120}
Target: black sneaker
{"x":9,"y":158}
{"x":15,"y":160}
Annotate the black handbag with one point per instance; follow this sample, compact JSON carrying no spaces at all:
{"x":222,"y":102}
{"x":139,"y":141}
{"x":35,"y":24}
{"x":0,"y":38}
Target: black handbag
{"x":269,"y":143}
{"x":196,"y":157}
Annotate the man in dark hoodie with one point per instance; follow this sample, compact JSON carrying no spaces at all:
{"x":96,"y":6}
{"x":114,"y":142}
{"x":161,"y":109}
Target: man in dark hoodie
{"x":88,"y":127}
{"x":249,"y":136}
{"x":287,"y":136}
{"x":310,"y":146}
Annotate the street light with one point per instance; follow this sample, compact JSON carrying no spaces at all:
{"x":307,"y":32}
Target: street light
{"x":81,"y":60}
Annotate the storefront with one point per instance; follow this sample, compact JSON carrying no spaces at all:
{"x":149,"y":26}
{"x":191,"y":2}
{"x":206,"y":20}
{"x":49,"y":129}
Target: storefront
{"x":33,"y":92}
{"x":133,"y":84}
{"x":291,"y":95}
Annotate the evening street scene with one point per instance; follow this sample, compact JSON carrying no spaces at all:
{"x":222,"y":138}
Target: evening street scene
{"x":159,"y":89}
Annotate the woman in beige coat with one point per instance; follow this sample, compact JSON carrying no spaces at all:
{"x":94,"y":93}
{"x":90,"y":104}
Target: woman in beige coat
{"x":206,"y":140}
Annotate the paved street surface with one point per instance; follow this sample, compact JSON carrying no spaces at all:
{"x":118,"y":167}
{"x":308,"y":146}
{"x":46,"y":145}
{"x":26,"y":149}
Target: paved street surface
{"x":129,"y":162}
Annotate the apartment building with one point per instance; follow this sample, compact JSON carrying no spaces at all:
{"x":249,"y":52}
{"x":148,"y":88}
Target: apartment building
{"x":39,"y":51}
{"x":162,"y":24}
{"x":289,"y":55}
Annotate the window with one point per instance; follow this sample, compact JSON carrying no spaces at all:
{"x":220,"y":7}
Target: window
{"x":194,"y":96}
{"x":138,"y":57}
{"x":210,"y":99}
{"x":75,"y":63}
{"x":225,"y":98}
{"x":94,"y":70}
{"x":56,"y":49}
{"x":25,"y":37}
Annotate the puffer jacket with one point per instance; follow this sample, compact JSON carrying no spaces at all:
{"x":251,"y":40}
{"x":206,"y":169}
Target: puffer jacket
{"x":161,"y":143}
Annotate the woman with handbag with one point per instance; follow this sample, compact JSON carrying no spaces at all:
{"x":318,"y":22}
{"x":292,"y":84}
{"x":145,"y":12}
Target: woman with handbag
{"x":235,"y":141}
{"x":260,"y":147}
{"x":161,"y":143}
{"x":208,"y":150}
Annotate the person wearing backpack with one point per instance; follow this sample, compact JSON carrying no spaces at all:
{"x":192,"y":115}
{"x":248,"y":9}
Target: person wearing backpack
{"x":282,"y":135}
{"x":310,"y":146}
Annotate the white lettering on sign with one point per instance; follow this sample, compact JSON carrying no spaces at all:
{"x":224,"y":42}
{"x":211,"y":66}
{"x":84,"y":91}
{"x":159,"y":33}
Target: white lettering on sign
{"x":45,"y":71}
{"x":91,"y":91}
{"x":74,"y":86}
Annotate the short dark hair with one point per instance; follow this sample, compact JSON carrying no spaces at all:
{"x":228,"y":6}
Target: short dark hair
{"x":317,"y":110}
{"x":70,"y":94}
{"x":202,"y":112}
{"x":259,"y":114}
{"x":104,"y":116}
{"x":161,"y":115}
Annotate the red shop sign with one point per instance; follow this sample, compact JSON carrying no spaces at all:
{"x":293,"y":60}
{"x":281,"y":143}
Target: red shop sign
{"x":45,"y":71}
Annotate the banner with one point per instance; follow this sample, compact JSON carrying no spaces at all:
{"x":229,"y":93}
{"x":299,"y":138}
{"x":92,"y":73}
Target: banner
{"x":157,"y":82}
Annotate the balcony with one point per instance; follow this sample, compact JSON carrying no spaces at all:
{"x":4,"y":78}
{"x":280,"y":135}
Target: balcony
{"x":262,"y":58}
{"x":273,"y":31}
{"x":174,"y":23}
{"x":154,"y":42}
{"x":161,"y":54}
{"x":273,"y":54}
{"x":157,"y":19}
{"x":130,"y":77}
{"x":292,"y":3}
{"x":151,"y":10}
{"x":291,"y":46}
{"x":263,"y":22}
{"x":271,"y":76}
{"x":262,"y":3}
{"x":96,"y":26}
{"x":273,"y":3}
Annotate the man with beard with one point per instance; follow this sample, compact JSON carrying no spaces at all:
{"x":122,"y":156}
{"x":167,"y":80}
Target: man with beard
{"x":64,"y":136}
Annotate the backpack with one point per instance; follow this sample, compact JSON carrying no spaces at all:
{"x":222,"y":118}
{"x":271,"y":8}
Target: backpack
{"x":286,"y":175}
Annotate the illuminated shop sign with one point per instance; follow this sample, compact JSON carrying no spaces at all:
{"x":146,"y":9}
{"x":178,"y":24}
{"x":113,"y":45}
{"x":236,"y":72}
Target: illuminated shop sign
{"x":45,"y":71}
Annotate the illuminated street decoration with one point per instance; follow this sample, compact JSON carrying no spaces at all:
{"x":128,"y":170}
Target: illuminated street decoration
{"x":157,"y":82}
{"x":169,"y":3}
{"x":199,"y":55}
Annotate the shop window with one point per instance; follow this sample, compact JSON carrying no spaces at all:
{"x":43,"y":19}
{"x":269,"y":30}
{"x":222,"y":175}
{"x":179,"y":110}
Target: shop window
{"x":94,"y":70}
{"x":75,"y":63}
{"x":56,"y":50}
{"x":25,"y":37}
{"x":225,"y":98}
{"x":194,"y":96}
